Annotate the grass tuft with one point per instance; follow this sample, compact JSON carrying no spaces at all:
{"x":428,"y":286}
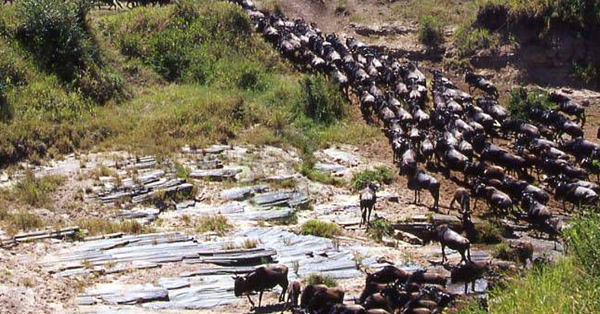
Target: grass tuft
{"x":318,"y":279}
{"x":213,"y":223}
{"x":320,"y":229}
{"x":381,"y":175}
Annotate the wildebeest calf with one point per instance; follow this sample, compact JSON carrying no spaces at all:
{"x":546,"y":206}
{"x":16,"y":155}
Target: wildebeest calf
{"x":455,"y":241}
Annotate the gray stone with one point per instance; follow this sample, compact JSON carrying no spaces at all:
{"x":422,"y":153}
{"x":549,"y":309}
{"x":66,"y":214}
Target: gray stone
{"x":242,"y":193}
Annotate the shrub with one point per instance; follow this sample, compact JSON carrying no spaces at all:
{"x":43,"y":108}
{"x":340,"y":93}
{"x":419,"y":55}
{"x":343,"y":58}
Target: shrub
{"x":380,"y":227}
{"x":318,"y":279}
{"x":317,"y":176}
{"x":586,"y":73}
{"x":489,"y":232}
{"x":381,"y":175}
{"x":431,"y":31}
{"x":23,"y":220}
{"x":520,"y":101}
{"x":6,"y":109}
{"x":213,"y":223}
{"x":583,"y":242}
{"x":320,"y":229}
{"x":322,"y":100}
{"x":469,"y":40}
{"x":56,"y":33}
{"x":37,"y":191}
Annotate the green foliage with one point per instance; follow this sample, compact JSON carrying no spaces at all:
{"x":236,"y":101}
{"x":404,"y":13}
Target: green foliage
{"x":56,"y":34}
{"x":380,"y":227}
{"x":213,"y":223}
{"x":37,"y":191}
{"x":431,"y":31}
{"x":586,"y":73}
{"x":322,"y":100}
{"x":469,"y":39}
{"x":489,"y":232}
{"x":99,"y":226}
{"x":381,"y":175}
{"x":568,"y":286}
{"x":521,"y":100}
{"x":318,"y":279}
{"x":320,"y":229}
{"x":317,"y":176}
{"x":583,"y":242}
{"x":504,"y":252}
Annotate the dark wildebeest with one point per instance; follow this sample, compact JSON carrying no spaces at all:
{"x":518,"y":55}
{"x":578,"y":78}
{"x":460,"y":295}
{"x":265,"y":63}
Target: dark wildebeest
{"x":568,"y":106}
{"x":323,"y":300}
{"x":293,"y":291}
{"x":388,"y":299}
{"x":469,"y":272}
{"x":455,"y":241}
{"x":496,"y":199}
{"x":479,"y":82}
{"x":261,"y":279}
{"x":537,"y":213}
{"x":347,"y":309}
{"x":421,"y":180}
{"x":387,"y":274}
{"x":368,"y":198}
{"x":370,"y":289}
{"x":463,"y":198}
{"x":309,"y":292}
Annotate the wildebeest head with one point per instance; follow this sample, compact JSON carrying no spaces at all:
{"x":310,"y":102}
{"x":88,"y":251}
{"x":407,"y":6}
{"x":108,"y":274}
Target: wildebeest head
{"x":239,"y":285}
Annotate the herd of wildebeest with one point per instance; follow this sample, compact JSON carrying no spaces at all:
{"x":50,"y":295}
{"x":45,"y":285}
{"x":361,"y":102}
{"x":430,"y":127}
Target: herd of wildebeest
{"x":499,"y":158}
{"x":456,"y":136}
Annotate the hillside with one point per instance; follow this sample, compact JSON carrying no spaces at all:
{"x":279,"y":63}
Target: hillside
{"x":151,"y":150}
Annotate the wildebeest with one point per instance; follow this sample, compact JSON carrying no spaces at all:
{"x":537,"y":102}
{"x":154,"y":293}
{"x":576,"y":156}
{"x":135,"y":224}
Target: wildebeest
{"x":568,"y":106}
{"x":261,"y":279}
{"x":469,"y":272}
{"x":387,"y":274}
{"x":455,"y":241}
{"x":324,"y":299}
{"x":368,"y":198}
{"x":463,"y":198}
{"x":293,"y":292}
{"x":421,"y":180}
{"x":497,"y":200}
{"x":479,"y":82}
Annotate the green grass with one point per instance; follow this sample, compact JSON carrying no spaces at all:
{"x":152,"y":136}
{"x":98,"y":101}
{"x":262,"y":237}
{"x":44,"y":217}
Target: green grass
{"x":320,"y":229}
{"x":568,"y":286}
{"x":214,"y":223}
{"x":521,"y":100}
{"x":431,"y":31}
{"x":469,"y":39}
{"x":193,"y":74}
{"x":318,"y":279}
{"x":489,"y":232}
{"x":381,"y":175}
{"x":35,"y":191}
{"x":380,"y":228}
{"x":100,"y":226}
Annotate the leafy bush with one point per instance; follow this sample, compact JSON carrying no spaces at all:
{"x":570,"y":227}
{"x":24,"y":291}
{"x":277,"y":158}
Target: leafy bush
{"x":520,"y":101}
{"x":318,"y":279}
{"x":380,"y":227}
{"x":320,"y":229}
{"x":381,"y":175}
{"x":431,"y":31}
{"x":468,"y":40}
{"x":322,"y":100}
{"x":586,"y":72}
{"x":56,"y":33}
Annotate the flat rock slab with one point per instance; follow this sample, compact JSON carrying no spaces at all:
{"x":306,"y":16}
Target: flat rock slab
{"x":330,"y":168}
{"x":215,"y":174}
{"x":207,"y":288}
{"x":241,"y":193}
{"x":281,"y":198}
{"x":342,"y":157}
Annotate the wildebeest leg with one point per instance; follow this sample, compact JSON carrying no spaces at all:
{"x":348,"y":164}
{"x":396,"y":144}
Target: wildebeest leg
{"x":284,"y":290}
{"x":466,"y":287}
{"x":260,"y":297}
{"x":452,"y":202}
{"x":443,"y":253}
{"x":473,"y":285}
{"x":369,"y":216}
{"x":249,"y":299}
{"x":363,"y":214}
{"x":416,"y":191}
{"x":469,"y":253}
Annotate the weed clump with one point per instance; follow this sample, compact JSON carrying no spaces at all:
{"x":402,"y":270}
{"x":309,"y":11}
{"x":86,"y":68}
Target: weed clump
{"x":37,"y":191}
{"x":213,"y":223}
{"x":520,"y":101}
{"x":318,"y":279}
{"x":381,"y":175}
{"x":320,"y":229}
{"x":431,"y":31}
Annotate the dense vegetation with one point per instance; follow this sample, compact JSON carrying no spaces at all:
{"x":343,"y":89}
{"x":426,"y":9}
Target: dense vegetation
{"x":192,"y":73}
{"x":568,"y":286}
